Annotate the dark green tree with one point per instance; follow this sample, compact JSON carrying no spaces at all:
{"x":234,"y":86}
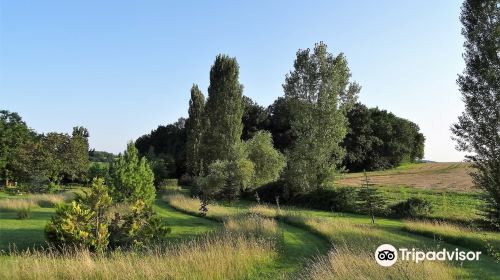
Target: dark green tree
{"x":194,"y":132}
{"x":224,"y":111}
{"x":132,"y":178}
{"x":14,"y":134}
{"x":165,"y":146}
{"x":370,"y":200}
{"x":255,"y":118}
{"x":78,"y":154}
{"x":478,"y":128}
{"x":377,"y":139}
{"x":320,"y":94}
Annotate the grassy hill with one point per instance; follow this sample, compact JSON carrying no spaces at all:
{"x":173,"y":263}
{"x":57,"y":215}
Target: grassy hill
{"x":448,"y":176}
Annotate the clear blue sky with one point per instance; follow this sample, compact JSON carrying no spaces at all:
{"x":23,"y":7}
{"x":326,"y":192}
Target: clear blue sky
{"x":121,"y":68}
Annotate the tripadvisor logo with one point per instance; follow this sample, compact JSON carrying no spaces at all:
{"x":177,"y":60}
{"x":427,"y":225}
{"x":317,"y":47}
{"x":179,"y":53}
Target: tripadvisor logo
{"x":387,"y":255}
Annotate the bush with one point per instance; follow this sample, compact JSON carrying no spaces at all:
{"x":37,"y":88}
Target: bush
{"x":413,"y":207}
{"x":53,"y":188}
{"x":338,"y":199}
{"x":24,"y":213}
{"x":268,"y":192}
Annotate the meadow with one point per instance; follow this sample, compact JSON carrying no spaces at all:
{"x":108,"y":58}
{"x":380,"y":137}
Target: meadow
{"x":245,"y":240}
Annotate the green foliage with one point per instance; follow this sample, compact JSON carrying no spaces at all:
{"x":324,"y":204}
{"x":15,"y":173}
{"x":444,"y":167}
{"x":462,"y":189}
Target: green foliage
{"x":132,"y":178}
{"x":267,"y":161}
{"x":477,"y":129}
{"x":225,"y":179}
{"x":215,"y":180}
{"x":24,"y":213}
{"x":370,"y":200}
{"x":167,"y":146}
{"x":320,"y":94}
{"x":413,"y":207}
{"x":194,"y":130}
{"x":71,"y":226}
{"x":223,"y":110}
{"x":14,"y":133}
{"x":377,"y":139}
{"x":101,"y":156}
{"x":254,"y":119}
{"x":53,"y":188}
{"x":82,"y":224}
{"x":137,"y":229}
{"x":280,"y":119}
{"x":98,"y":170}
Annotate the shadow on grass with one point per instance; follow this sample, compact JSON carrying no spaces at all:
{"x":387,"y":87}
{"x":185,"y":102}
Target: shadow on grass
{"x":21,"y":239}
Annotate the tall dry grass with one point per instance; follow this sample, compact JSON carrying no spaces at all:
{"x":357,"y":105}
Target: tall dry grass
{"x":192,"y":205}
{"x":224,"y":256}
{"x":38,"y":200}
{"x":347,"y":263}
{"x":474,"y":239}
{"x":253,"y":225}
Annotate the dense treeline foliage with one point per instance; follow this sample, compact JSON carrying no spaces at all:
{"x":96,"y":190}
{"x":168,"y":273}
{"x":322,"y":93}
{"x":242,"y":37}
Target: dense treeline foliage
{"x":377,"y":139}
{"x":231,"y":145}
{"x":165,"y":149}
{"x":101,"y":156}
{"x":478,"y":128}
{"x":40,"y":159}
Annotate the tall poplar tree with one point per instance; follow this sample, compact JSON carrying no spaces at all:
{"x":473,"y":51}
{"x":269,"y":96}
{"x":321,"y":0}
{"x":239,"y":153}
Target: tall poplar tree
{"x":223,"y":110}
{"x":194,"y":127}
{"x":319,"y":93}
{"x":478,"y":128}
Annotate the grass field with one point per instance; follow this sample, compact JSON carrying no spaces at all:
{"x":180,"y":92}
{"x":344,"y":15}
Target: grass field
{"x":253,"y":242}
{"x":446,"y":185}
{"x":444,"y":176}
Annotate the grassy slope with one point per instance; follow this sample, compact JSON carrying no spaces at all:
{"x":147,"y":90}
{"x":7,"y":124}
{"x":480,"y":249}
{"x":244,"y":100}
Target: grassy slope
{"x":390,"y":231}
{"x":446,"y":185}
{"x":451,"y":176}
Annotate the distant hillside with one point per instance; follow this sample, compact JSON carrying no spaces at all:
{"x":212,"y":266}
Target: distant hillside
{"x":453,"y":176}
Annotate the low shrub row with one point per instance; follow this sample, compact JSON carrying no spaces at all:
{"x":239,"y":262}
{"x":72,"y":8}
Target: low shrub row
{"x":340,"y":199}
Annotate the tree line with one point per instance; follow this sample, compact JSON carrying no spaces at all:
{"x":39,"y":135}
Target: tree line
{"x":231,"y":145}
{"x":364,"y":138}
{"x":39,"y":159}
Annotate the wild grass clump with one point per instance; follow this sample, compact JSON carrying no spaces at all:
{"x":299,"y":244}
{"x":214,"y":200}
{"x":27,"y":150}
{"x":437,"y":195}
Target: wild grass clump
{"x":16,"y":204}
{"x":37,"y":200}
{"x":458,"y":235}
{"x":192,"y":206}
{"x":225,"y":256}
{"x":264,"y":211}
{"x":348,"y":263}
{"x":254,"y":226}
{"x":24,"y":213}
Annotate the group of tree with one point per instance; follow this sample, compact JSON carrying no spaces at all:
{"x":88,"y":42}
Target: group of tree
{"x":377,"y":139}
{"x":221,"y":163}
{"x":318,"y":96}
{"x":92,"y":222}
{"x":29,"y":157}
{"x":165,"y":149}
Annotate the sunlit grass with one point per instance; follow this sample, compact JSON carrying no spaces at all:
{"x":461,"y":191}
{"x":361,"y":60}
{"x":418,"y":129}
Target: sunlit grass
{"x":38,"y":200}
{"x":192,"y":206}
{"x":346,"y":262}
{"x":221,"y":256}
{"x":468,"y":237}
